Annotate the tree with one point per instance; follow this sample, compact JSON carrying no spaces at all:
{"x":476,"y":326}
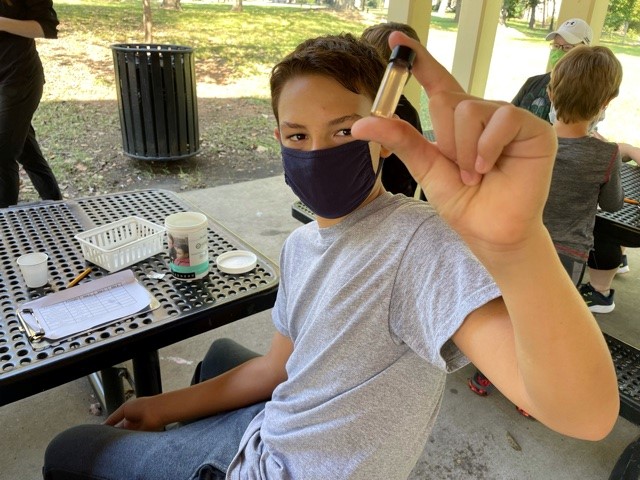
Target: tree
{"x":458,"y":9}
{"x":146,"y":21}
{"x":623,"y":15}
{"x":553,"y":16}
{"x":511,"y":9}
{"x":237,"y":7}
{"x":173,"y":4}
{"x":532,"y":4}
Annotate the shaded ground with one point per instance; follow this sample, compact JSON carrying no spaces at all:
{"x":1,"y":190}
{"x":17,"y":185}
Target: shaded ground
{"x":236,"y":144}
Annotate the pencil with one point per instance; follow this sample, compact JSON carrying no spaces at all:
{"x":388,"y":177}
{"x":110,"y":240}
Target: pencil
{"x":83,"y":274}
{"x":631,"y":201}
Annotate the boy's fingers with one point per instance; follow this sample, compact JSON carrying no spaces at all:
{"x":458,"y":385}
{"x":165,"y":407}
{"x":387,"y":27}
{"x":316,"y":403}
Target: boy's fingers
{"x":431,"y":75}
{"x":401,"y":138}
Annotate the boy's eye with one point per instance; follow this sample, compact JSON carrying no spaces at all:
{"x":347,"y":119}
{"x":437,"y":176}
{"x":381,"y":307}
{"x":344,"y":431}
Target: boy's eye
{"x":346,"y":132}
{"x":296,"y":137}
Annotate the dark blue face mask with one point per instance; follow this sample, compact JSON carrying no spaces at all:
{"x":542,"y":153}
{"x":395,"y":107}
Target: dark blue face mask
{"x":332,"y":182}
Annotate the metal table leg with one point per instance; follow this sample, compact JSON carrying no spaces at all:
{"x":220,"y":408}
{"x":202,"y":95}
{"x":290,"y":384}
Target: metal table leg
{"x":146,"y":374}
{"x":108,"y":387}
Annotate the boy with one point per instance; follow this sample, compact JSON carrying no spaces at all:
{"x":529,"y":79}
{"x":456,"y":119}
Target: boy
{"x":587,"y":169}
{"x":586,"y":172}
{"x":369,"y":323}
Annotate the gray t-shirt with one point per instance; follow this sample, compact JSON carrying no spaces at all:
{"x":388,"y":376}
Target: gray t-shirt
{"x":370,"y":305}
{"x":586,"y":173}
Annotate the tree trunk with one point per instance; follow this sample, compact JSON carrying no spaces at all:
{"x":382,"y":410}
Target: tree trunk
{"x":146,"y":21}
{"x":172,"y":4}
{"x":237,"y":7}
{"x":458,"y":8}
{"x":442,"y":8}
{"x":553,"y":16}
{"x":340,"y":5}
{"x":532,"y":18}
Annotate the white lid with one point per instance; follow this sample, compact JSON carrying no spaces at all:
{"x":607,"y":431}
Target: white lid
{"x":236,"y":261}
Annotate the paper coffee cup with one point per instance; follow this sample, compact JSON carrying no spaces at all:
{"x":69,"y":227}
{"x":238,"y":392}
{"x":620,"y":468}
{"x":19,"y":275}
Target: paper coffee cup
{"x":33,"y":267}
{"x":188,"y":245}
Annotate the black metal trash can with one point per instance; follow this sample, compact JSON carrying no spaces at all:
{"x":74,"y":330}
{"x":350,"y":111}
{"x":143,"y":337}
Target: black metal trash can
{"x":157,"y":100}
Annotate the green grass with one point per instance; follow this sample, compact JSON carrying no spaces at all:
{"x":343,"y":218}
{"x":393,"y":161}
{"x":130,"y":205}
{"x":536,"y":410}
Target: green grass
{"x":239,"y":44}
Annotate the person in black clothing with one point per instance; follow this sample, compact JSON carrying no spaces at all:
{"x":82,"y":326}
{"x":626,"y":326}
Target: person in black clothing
{"x":395,"y":176}
{"x":533,"y":94}
{"x":21,"y":83}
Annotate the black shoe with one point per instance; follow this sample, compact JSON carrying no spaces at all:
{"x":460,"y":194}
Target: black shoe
{"x":597,"y":302}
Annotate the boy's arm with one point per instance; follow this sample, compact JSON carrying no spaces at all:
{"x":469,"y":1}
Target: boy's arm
{"x":488,"y":177}
{"x":249,"y":383}
{"x":629,"y":152}
{"x":541,"y":349}
{"x":611,"y":196}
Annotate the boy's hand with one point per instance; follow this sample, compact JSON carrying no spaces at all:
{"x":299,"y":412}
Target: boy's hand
{"x":136,"y":414}
{"x":489,"y":173}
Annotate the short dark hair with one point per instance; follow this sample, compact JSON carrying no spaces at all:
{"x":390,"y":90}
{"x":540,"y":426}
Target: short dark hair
{"x":353,"y":63}
{"x":378,"y":36}
{"x":583,"y":81}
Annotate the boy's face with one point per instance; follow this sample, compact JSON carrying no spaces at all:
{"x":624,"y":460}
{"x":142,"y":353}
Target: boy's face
{"x":316,"y":113}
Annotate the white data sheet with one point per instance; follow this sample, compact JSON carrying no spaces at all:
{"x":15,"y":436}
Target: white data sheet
{"x":84,"y":307}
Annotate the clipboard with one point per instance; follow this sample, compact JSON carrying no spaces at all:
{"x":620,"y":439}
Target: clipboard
{"x":83,"y":308}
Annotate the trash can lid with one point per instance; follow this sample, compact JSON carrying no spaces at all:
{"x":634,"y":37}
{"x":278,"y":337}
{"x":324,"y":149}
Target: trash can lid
{"x":154,"y":47}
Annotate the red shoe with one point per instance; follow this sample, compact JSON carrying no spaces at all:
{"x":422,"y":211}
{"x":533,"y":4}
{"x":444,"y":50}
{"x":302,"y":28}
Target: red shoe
{"x":524,"y":413}
{"x":479,"y":384}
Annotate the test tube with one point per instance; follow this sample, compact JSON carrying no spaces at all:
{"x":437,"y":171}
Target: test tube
{"x":393,"y":82}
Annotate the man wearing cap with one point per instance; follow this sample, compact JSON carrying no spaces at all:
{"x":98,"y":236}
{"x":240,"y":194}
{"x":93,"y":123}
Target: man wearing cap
{"x":533,"y":94}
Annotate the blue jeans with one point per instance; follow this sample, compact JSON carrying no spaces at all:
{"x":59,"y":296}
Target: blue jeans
{"x":201,"y":450}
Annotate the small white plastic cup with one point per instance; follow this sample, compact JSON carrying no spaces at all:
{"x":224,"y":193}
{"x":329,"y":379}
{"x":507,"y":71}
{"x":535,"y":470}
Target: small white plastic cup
{"x":34,"y":269}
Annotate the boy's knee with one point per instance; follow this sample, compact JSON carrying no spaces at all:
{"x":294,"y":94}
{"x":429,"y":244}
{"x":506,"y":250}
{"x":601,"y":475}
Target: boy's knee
{"x":223,"y":355}
{"x":64,"y":449}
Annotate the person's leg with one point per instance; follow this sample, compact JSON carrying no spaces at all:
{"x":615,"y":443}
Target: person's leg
{"x":574,"y":268}
{"x":628,"y":465}
{"x":30,"y":156}
{"x":603,"y":263}
{"x":14,"y":125}
{"x":624,"y":263}
{"x":202,"y":449}
{"x":39,"y":171}
{"x":223,"y":355}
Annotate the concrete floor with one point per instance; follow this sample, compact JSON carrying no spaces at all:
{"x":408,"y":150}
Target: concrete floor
{"x":474,"y":438}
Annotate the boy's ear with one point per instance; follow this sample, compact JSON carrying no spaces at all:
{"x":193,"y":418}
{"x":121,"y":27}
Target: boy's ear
{"x":276,"y":133}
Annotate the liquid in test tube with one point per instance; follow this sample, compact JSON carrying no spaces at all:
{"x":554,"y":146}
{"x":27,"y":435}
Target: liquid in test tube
{"x":395,"y":77}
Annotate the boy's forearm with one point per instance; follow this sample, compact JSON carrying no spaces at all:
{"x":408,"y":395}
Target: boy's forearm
{"x":559,"y":347}
{"x":244,"y":385}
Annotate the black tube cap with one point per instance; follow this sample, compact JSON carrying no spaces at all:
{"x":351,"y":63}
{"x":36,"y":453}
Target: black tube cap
{"x":403,"y":54}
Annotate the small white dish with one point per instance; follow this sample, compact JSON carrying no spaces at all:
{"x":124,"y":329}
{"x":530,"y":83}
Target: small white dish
{"x":236,"y":261}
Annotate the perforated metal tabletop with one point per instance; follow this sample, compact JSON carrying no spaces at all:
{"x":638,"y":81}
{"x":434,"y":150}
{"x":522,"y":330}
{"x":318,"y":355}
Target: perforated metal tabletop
{"x":625,"y":223}
{"x":186,"y":308}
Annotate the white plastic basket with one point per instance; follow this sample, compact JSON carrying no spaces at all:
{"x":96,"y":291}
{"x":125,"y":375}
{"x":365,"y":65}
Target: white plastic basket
{"x":117,"y":245}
